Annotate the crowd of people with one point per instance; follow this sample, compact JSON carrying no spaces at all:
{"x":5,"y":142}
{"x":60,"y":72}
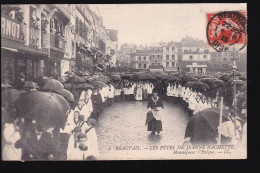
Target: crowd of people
{"x":27,"y":140}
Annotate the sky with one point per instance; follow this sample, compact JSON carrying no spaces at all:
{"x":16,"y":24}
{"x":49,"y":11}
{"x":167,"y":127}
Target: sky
{"x":152,"y":23}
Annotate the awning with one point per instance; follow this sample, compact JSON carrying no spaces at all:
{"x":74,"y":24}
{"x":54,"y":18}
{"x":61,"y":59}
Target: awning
{"x":11,"y":49}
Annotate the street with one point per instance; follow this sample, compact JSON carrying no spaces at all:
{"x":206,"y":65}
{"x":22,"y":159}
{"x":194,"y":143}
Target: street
{"x":122,"y":132}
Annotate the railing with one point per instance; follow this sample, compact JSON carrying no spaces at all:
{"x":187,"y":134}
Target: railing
{"x":45,"y":40}
{"x":57,"y":42}
{"x":34,"y":37}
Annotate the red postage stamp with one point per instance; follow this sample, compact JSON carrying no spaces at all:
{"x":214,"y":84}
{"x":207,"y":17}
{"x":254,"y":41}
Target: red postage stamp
{"x":227,"y":29}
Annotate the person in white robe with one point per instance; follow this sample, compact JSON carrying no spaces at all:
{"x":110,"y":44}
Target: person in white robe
{"x":92,"y":137}
{"x":139,"y":93}
{"x":73,"y":142}
{"x":168,"y":93}
{"x":110,"y":95}
{"x":81,"y":152}
{"x":85,"y":105}
{"x":230,"y":130}
{"x":11,"y":135}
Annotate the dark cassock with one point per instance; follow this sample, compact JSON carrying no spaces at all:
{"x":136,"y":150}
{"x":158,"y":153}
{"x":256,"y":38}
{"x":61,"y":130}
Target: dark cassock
{"x":155,"y":105}
{"x":97,"y":105}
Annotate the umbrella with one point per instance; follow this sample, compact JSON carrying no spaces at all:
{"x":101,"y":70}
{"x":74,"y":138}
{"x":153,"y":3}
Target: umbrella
{"x":218,"y":83}
{"x":116,"y":77}
{"x":202,"y":127}
{"x":99,"y":84}
{"x":84,"y":86}
{"x":11,"y":94}
{"x":53,"y":85}
{"x":42,"y":81}
{"x":63,"y":79}
{"x":30,"y":85}
{"x":243,"y":88}
{"x":47,"y":108}
{"x":85,"y":74}
{"x":239,"y":82}
{"x":69,"y":73}
{"x":78,"y":79}
{"x":67,"y":85}
{"x":66,"y":94}
{"x":225,"y":77}
{"x":173,"y":78}
{"x":243,"y":78}
{"x":5,"y":85}
{"x":237,"y":73}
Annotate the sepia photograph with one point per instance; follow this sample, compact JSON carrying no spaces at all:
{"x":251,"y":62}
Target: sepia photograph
{"x":85,"y":82}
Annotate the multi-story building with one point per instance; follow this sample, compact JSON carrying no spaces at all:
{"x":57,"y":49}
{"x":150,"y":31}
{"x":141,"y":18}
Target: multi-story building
{"x":145,"y":59}
{"x":222,"y":61}
{"x":140,"y":60}
{"x":112,"y":45}
{"x":195,"y":60}
{"x":124,"y":55}
{"x":48,"y":40}
{"x":33,"y":39}
{"x":170,"y":57}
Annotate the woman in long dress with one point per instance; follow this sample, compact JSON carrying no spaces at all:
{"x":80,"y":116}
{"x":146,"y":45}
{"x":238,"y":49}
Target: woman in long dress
{"x":155,"y":105}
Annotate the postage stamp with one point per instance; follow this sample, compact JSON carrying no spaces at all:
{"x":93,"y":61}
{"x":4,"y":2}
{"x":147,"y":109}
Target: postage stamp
{"x":226,"y":29}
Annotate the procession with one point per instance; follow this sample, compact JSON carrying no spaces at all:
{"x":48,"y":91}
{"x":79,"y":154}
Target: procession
{"x":112,"y":98}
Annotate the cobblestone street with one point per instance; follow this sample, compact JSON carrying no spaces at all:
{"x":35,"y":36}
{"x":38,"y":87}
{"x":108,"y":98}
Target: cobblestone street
{"x":122,"y":132}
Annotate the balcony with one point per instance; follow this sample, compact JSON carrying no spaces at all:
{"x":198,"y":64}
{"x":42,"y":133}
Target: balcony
{"x":57,"y":43}
{"x":45,"y":40}
{"x":34,"y":37}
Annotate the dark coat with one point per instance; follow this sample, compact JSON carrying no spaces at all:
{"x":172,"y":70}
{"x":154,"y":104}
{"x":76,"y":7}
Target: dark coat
{"x":96,"y":102}
{"x":39,"y":149}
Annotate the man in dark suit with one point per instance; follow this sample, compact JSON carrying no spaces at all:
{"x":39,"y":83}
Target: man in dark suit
{"x":39,"y":145}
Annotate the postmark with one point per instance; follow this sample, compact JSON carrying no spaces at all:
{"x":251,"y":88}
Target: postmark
{"x":226,"y":30}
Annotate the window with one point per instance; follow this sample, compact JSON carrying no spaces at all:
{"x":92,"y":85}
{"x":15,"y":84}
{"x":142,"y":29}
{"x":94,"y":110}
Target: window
{"x":224,"y":59}
{"x":225,"y":65}
{"x":140,"y":58}
{"x":167,"y":48}
{"x":173,"y":64}
{"x":167,"y":64}
{"x":167,"y":57}
{"x":144,"y":58}
{"x":173,"y":57}
{"x":140,"y":65}
{"x":158,"y":63}
{"x":144,"y":65}
{"x":191,"y":57}
{"x":158,"y":56}
{"x":205,"y":56}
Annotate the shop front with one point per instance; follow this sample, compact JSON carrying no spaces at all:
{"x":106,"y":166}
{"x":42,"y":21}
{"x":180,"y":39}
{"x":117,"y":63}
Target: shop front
{"x":54,"y":64}
{"x":197,"y":69}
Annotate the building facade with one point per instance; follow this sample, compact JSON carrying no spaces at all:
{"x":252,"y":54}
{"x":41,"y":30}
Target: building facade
{"x":222,"y":61}
{"x":48,"y":40}
{"x":195,"y":60}
{"x":170,"y":57}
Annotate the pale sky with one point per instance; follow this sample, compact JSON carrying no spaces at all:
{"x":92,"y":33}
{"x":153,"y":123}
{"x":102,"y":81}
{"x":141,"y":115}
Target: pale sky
{"x":152,"y":23}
